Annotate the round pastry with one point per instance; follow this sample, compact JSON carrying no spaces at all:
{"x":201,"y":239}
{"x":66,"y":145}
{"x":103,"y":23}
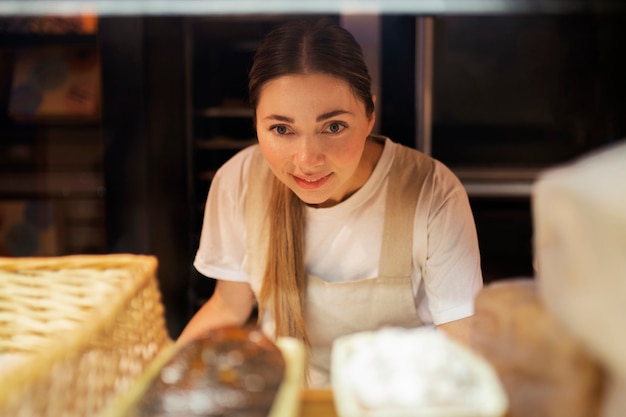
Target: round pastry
{"x":231,"y":371}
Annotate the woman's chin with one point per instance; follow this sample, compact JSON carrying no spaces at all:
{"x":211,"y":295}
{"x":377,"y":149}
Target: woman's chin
{"x":314,"y":199}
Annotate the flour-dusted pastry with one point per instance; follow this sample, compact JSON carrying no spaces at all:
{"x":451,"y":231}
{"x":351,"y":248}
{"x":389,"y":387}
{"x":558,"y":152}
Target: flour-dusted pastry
{"x":544,"y":369}
{"x":416,"y":372}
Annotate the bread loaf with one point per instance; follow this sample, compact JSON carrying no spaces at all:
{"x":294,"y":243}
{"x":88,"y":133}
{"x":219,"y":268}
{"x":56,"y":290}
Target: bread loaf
{"x":544,"y":370}
{"x":232,"y":371}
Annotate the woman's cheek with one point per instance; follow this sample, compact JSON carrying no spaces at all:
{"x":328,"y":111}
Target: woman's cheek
{"x":274,"y":151}
{"x":350,"y":150}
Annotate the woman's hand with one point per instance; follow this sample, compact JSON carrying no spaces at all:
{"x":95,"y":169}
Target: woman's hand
{"x":230,"y":305}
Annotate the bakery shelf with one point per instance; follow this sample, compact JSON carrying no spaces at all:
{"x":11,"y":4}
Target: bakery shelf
{"x":223,"y":142}
{"x":62,"y":184}
{"x":243,"y":112}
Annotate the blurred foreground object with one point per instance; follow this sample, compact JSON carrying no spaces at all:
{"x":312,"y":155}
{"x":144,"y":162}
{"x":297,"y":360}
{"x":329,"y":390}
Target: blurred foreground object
{"x":231,"y":371}
{"x":543,"y":368}
{"x":412,"y":372}
{"x":579,"y":215}
{"x":76,"y":332}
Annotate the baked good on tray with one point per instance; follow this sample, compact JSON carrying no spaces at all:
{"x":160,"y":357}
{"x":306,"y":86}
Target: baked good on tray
{"x":231,"y":371}
{"x":398,"y":372}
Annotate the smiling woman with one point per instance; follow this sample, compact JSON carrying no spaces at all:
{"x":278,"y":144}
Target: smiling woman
{"x":329,"y":229}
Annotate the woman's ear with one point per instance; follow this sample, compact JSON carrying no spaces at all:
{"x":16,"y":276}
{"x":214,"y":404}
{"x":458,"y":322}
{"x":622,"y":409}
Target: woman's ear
{"x":372,"y":120}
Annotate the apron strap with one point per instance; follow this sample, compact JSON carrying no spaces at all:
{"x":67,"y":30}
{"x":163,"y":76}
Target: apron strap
{"x":406,"y":179}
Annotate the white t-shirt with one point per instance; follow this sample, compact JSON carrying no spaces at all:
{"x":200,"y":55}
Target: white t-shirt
{"x":343,"y":242}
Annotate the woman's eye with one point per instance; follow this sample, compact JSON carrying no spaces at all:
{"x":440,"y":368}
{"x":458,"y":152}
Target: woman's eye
{"x":335,"y":127}
{"x":280,"y":129}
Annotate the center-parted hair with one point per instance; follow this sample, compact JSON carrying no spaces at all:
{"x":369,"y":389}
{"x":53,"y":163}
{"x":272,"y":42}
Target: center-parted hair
{"x":298,"y":48}
{"x":309,"y":48}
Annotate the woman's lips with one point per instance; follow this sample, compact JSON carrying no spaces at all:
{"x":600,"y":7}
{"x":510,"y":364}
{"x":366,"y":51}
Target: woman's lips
{"x":311,"y":183}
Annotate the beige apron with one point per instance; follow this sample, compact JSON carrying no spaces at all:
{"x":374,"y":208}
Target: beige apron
{"x":334,"y":309}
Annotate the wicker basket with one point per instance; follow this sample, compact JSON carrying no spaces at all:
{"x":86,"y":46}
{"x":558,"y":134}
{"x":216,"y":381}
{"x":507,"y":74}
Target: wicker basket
{"x":76,"y":331}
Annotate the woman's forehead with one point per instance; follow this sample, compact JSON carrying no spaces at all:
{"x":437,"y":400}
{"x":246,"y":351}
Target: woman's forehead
{"x":316,"y":91}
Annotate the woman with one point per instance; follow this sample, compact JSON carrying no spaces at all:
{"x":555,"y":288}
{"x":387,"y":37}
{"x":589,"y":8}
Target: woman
{"x":330,"y":229}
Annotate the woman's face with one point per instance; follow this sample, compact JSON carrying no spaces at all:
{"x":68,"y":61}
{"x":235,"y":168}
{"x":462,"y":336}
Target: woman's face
{"x":312,"y":130}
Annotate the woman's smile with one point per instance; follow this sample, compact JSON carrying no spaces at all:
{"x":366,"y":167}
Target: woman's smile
{"x":311,"y":183}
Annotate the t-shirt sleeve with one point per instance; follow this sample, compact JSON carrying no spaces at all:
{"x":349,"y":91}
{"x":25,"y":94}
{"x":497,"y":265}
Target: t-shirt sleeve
{"x":452,"y":274}
{"x":222,"y":248}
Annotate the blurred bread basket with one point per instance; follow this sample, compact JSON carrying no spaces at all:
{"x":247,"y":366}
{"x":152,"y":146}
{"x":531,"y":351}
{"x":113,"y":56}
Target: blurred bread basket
{"x":76,"y":332}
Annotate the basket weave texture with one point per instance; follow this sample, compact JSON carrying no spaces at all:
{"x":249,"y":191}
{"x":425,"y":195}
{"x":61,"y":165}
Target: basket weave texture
{"x":76,"y":332}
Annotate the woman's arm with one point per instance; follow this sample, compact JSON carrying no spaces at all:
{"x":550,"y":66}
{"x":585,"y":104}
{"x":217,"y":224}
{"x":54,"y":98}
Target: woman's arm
{"x":459,"y":330}
{"x":230,"y":305}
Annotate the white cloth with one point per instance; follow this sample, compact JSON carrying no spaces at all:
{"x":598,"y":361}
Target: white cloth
{"x":343,"y":242}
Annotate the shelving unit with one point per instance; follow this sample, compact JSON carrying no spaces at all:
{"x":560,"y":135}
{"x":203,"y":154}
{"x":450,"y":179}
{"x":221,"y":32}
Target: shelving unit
{"x":49,"y":165}
{"x":220,"y":121}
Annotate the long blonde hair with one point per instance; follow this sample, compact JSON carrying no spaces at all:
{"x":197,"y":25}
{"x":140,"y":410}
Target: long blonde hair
{"x":285,"y":281}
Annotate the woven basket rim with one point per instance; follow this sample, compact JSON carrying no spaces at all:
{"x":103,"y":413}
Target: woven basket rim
{"x":75,"y":342}
{"x":82,"y":261}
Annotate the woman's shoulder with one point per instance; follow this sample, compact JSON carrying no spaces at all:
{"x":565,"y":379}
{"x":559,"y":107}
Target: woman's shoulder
{"x":439,"y":173}
{"x":242,"y":157}
{"x":232,"y":177}
{"x":238,"y":165}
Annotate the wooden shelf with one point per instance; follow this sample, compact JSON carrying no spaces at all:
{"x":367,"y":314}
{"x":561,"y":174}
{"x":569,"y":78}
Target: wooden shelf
{"x":317,"y":403}
{"x":224,"y":143}
{"x":14,"y":40}
{"x":236,"y":112}
{"x":497,"y":182}
{"x":48,"y":184}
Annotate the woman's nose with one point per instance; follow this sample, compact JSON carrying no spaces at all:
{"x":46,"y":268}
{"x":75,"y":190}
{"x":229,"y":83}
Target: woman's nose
{"x":309,"y":153}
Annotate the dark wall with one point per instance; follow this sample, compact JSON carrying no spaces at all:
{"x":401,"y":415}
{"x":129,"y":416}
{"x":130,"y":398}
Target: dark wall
{"x":145,"y":160}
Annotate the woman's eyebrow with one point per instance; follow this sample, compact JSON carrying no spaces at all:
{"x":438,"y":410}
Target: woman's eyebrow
{"x":321,"y":117}
{"x":331,"y":114}
{"x":279,"y":118}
